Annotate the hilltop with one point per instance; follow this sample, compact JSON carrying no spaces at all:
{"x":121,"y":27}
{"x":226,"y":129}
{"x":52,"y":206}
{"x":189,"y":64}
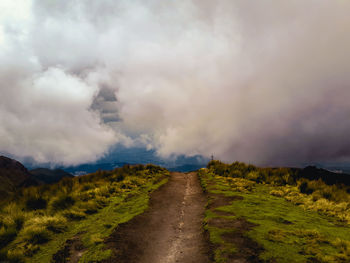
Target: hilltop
{"x":49,"y":176}
{"x":13,"y":175}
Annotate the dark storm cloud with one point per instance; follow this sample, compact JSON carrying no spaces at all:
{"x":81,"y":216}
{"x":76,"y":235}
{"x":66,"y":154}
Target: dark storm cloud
{"x":259,"y":81}
{"x":106,"y":104}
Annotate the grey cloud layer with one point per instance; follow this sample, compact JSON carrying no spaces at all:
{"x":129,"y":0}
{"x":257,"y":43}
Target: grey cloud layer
{"x":264,"y":81}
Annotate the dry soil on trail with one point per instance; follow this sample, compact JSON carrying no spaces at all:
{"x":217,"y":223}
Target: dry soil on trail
{"x":169,"y":231}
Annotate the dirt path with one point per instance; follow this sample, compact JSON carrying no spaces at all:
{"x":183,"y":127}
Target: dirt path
{"x":169,"y":231}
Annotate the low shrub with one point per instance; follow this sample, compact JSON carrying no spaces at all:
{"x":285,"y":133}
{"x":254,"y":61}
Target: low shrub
{"x":278,"y":193}
{"x":103,"y":191}
{"x":241,"y":184}
{"x":86,"y":196}
{"x":62,"y":202}
{"x":56,"y":224}
{"x":35,"y":203}
{"x":305,"y":189}
{"x":10,"y":257}
{"x":14,"y":220}
{"x":254,"y":176}
{"x":18,"y":221}
{"x":7,"y":234}
{"x":88,"y":186}
{"x":74,"y":214}
{"x":101,"y":201}
{"x":36,"y":234}
{"x":14,"y":257}
{"x":90,"y":207}
{"x":119,"y":178}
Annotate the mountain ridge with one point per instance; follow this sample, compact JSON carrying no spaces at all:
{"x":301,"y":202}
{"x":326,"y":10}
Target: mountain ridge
{"x":49,"y":176}
{"x":13,"y":175}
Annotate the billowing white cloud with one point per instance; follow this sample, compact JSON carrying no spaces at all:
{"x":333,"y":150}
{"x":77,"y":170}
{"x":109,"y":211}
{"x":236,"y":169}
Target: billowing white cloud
{"x":264,"y":81}
{"x":46,"y":116}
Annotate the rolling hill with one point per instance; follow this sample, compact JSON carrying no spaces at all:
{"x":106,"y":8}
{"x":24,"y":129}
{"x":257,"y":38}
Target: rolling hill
{"x":49,"y":176}
{"x":13,"y":175}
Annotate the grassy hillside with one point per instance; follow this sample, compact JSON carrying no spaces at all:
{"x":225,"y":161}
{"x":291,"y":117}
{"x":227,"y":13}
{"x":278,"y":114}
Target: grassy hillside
{"x":274,"y":215}
{"x":40,"y":222}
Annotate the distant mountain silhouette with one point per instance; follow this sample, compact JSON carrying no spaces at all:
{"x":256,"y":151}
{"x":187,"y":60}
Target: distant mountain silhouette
{"x":49,"y":176}
{"x":13,"y":175}
{"x":330,"y":178}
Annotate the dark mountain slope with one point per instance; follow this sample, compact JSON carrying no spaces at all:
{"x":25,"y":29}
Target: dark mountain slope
{"x":13,"y":175}
{"x":330,"y":178}
{"x":49,"y":176}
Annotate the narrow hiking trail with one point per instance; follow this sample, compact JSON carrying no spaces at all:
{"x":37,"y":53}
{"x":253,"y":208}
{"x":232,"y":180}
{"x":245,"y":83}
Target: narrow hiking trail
{"x":169,"y":231}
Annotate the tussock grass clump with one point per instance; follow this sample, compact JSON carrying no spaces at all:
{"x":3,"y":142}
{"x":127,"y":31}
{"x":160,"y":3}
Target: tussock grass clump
{"x":56,"y":224}
{"x":36,"y":234}
{"x":62,"y":202}
{"x":277,"y":193}
{"x":344,"y":246}
{"x":119,"y":178}
{"x":18,"y":221}
{"x":11,"y":257}
{"x":7,"y":234}
{"x":240,"y":184}
{"x":86,"y":196}
{"x":87,"y":187}
{"x":101,"y":201}
{"x":90,"y":207}
{"x":11,"y":222}
{"x":103,"y":191}
{"x":35,"y":203}
{"x":315,"y":201}
{"x":13,"y":219}
{"x":33,"y":198}
{"x":74,"y":214}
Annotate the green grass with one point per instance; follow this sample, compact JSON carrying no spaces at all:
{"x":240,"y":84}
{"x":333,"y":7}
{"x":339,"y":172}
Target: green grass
{"x":287,"y":232}
{"x":96,"y":227}
{"x":87,"y":207}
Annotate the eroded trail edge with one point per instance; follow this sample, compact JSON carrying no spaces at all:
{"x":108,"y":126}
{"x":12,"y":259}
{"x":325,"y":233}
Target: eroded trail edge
{"x":169,"y":231}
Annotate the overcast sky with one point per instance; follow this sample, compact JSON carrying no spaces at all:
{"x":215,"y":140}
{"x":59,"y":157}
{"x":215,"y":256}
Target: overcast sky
{"x":266,"y":82}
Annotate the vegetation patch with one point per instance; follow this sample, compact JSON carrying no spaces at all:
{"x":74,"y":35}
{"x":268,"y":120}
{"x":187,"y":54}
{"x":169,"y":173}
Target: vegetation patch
{"x":79,"y":213}
{"x":272,"y":220}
